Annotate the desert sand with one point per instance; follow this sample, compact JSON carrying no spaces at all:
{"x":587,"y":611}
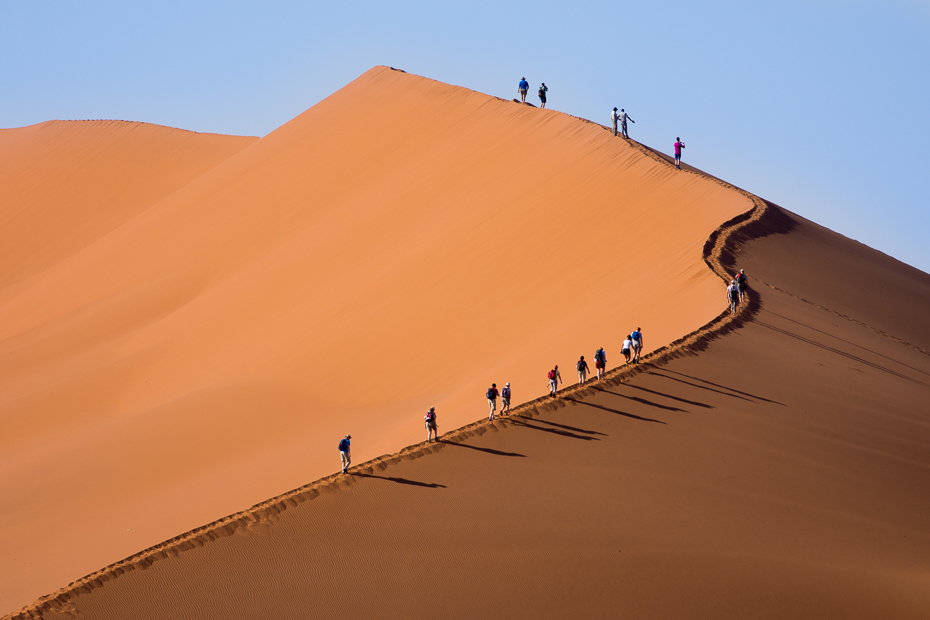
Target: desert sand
{"x":404,"y":243}
{"x":773,"y":465}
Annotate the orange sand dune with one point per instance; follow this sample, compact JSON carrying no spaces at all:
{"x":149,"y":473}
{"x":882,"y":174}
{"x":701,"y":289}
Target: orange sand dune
{"x":401,"y":244}
{"x":65,"y":184}
{"x":773,"y":466}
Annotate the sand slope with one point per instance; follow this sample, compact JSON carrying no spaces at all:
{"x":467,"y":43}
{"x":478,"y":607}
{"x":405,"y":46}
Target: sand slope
{"x":399,"y":245}
{"x":776,"y":470}
{"x":65,"y":184}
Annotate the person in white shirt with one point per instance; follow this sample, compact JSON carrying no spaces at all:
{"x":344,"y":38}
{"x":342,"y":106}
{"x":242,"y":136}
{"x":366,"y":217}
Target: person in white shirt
{"x":624,"y":117}
{"x":613,"y":120}
{"x":626,"y":349}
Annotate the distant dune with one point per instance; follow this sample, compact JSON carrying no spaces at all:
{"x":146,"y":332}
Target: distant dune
{"x":65,"y":184}
{"x":227,"y":312}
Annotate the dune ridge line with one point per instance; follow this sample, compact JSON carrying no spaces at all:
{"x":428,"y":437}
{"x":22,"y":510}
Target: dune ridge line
{"x":719,"y":254}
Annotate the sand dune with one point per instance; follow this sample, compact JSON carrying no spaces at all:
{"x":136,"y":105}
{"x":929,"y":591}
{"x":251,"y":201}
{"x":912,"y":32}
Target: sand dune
{"x":773,"y":465}
{"x":401,"y":244}
{"x":68,"y":183}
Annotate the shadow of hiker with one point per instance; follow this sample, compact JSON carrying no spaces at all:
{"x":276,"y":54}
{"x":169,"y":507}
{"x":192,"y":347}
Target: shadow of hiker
{"x":488,"y":450}
{"x":681,"y":374}
{"x":617,"y":411}
{"x":644,"y":401}
{"x":700,"y":387}
{"x":555,"y":431}
{"x":681,"y":400}
{"x":570,"y":428}
{"x":431,"y":485}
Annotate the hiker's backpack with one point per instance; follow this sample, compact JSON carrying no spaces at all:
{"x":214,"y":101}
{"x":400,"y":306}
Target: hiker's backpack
{"x":541,"y":93}
{"x":431,"y":417}
{"x":734,"y":293}
{"x":581,"y":364}
{"x":343,"y":445}
{"x":552,"y":374}
{"x":599,"y":355}
{"x":741,"y":278}
{"x":506,"y":393}
{"x":491,"y":393}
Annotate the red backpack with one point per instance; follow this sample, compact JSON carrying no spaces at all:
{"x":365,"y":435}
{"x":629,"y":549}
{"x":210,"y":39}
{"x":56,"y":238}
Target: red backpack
{"x":552,"y":374}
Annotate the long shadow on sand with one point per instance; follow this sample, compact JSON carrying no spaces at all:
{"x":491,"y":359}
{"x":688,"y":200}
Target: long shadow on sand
{"x":643,"y":401}
{"x":617,"y":411}
{"x":570,"y":428}
{"x":430,"y":485}
{"x":700,"y":387}
{"x":663,"y":395}
{"x":554,"y":431}
{"x":693,"y":378}
{"x":488,"y":450}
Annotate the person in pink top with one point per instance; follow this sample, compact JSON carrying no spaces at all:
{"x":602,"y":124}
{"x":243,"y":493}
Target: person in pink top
{"x":678,"y":146}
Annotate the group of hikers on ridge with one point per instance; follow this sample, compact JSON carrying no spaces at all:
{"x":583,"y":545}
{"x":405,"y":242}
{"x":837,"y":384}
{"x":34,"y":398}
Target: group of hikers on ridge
{"x":631,"y":349}
{"x":621,"y":117}
{"x":736,"y":291}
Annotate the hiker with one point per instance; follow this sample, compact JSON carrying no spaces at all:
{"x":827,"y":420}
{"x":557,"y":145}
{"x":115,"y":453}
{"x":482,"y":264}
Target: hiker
{"x":554,"y":378}
{"x":678,"y":146}
{"x":522,"y":88}
{"x":582,"y":370}
{"x":600,"y":362}
{"x":432,"y":429}
{"x":505,"y":398}
{"x":345,"y":453}
{"x":624,"y":117}
{"x":636,"y":339}
{"x":626,"y":348}
{"x":741,"y":284}
{"x":542,"y":95}
{"x":613,"y":120}
{"x":733,"y":296}
{"x":492,"y":400}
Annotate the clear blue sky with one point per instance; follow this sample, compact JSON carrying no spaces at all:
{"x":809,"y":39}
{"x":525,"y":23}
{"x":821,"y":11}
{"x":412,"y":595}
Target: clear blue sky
{"x":814,"y":105}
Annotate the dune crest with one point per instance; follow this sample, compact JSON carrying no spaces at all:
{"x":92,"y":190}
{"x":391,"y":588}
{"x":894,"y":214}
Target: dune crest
{"x":339,"y":275}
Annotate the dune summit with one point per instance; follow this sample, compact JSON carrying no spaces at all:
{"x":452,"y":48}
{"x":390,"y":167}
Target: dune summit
{"x":207,"y":347}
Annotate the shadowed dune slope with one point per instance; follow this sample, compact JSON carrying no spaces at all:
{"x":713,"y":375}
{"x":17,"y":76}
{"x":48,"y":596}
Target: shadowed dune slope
{"x":401,"y":244}
{"x":780,"y":472}
{"x":65,"y":184}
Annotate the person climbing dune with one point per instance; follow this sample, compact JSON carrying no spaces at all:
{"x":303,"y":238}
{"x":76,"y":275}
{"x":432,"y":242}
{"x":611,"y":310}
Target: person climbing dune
{"x":637,"y":344}
{"x":432,"y":428}
{"x":582,"y":370}
{"x":543,"y":90}
{"x":678,"y":146}
{"x":554,"y":378}
{"x":626,"y":348}
{"x":345,"y":453}
{"x":600,"y":362}
{"x":733,"y":296}
{"x":505,"y":399}
{"x":522,"y":87}
{"x":492,"y":399}
{"x":742,"y":284}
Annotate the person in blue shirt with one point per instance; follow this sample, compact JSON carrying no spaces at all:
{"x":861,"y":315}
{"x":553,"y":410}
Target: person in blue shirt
{"x":637,"y":343}
{"x":345,"y":452}
{"x":522,"y":88}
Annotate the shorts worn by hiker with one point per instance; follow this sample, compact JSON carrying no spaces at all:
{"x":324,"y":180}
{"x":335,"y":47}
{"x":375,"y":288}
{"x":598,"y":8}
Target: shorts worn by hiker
{"x":492,"y":403}
{"x":346,"y":460}
{"x":599,"y":364}
{"x":505,"y":403}
{"x":582,"y":375}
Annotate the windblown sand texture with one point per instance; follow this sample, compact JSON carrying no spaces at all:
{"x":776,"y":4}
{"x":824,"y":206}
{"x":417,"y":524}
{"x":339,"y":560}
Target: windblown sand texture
{"x":239,"y":306}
